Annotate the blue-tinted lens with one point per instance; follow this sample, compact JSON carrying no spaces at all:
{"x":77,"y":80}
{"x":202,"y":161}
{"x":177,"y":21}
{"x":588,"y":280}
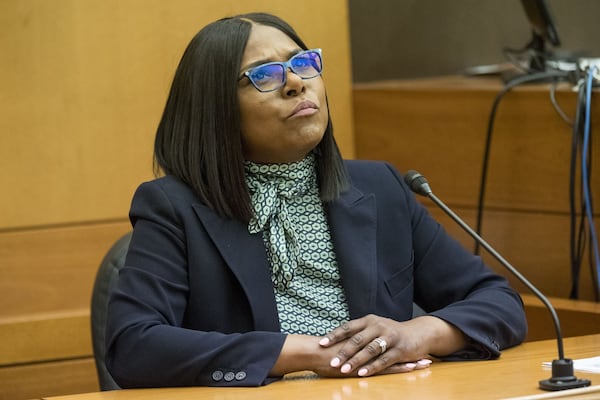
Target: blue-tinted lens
{"x":271,"y":76}
{"x":306,"y":64}
{"x":267,"y":77}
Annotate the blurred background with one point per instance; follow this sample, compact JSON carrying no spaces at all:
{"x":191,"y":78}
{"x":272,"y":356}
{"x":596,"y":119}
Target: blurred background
{"x":393,"y":39}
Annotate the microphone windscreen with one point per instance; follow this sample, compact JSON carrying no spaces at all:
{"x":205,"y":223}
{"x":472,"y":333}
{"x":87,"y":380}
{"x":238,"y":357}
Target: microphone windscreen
{"x":417,"y":183}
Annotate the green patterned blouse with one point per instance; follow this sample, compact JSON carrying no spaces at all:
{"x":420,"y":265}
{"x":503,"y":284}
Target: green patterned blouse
{"x":306,"y":279}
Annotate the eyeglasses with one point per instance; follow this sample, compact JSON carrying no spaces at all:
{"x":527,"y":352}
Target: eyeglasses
{"x":271,"y":76}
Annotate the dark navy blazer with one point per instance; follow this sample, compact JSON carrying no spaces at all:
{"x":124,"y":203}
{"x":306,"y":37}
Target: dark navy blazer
{"x":195,"y":303}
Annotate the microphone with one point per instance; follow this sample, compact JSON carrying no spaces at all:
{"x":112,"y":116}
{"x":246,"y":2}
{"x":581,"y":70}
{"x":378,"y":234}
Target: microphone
{"x":562,"y":368}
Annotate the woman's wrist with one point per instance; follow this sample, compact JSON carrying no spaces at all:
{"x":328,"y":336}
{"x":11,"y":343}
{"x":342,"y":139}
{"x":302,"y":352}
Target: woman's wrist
{"x":441,"y":337}
{"x":299,"y":353}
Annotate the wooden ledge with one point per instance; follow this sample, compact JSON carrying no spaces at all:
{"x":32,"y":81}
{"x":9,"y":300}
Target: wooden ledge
{"x":576,"y":317}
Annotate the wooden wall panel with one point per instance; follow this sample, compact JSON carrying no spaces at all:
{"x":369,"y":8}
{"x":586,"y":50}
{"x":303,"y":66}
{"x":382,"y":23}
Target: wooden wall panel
{"x":52,"y":269}
{"x":45,"y":337}
{"x":84,"y":84}
{"x":35,"y":381}
{"x":83,"y":87}
{"x":438,"y":127}
{"x":535,"y":244}
{"x":46,"y":284}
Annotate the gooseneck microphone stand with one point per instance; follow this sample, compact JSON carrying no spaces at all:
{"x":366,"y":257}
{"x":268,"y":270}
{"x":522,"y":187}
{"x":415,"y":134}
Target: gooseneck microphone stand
{"x":562,"y":368}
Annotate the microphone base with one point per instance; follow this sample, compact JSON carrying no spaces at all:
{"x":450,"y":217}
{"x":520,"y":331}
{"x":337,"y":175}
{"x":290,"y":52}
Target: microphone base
{"x":563,"y":377}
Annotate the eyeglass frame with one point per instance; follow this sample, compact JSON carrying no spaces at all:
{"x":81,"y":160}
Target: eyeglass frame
{"x":286,"y":65}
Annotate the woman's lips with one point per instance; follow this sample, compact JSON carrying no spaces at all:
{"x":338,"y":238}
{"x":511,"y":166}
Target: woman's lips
{"x":304,"y":108}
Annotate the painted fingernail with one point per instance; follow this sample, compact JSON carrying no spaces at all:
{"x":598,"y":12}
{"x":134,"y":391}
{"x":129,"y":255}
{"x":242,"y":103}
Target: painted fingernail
{"x":324,"y":341}
{"x":424,"y":361}
{"x":410,"y":365}
{"x":335,"y":362}
{"x":362,"y":372}
{"x":346,"y":368}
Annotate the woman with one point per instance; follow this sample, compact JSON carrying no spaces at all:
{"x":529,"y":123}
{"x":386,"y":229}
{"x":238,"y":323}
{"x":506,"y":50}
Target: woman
{"x":260,"y":252}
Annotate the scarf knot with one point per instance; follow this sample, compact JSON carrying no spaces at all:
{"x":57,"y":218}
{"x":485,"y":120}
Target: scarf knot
{"x":272,"y":187}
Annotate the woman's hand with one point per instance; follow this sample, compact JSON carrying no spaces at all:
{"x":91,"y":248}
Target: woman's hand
{"x":375,"y":345}
{"x":303,"y":353}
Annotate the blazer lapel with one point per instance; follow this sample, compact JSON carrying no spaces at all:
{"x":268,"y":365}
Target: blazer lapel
{"x":353,"y":224}
{"x":246,"y":257}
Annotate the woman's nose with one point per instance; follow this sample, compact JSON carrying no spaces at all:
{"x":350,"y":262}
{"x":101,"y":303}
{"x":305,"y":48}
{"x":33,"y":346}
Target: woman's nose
{"x":294,"y":85}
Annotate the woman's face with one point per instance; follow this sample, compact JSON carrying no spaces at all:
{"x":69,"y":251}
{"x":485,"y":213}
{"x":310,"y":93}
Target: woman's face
{"x":286,"y":124}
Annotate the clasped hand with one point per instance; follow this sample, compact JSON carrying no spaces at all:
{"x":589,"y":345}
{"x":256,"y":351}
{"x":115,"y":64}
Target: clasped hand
{"x":375,"y":345}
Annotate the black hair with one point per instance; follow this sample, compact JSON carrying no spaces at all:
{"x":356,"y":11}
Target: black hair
{"x":198,"y":139}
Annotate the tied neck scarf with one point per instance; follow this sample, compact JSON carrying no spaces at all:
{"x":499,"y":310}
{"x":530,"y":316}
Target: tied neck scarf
{"x":272,"y":187}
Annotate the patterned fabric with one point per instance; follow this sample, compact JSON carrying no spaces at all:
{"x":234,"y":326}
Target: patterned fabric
{"x":272,"y":187}
{"x":289,"y":212}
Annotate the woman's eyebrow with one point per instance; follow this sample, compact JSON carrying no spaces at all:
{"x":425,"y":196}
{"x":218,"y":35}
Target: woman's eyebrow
{"x":268,"y":60}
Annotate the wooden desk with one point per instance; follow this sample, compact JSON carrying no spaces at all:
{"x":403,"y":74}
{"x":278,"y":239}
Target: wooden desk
{"x":516,"y":373}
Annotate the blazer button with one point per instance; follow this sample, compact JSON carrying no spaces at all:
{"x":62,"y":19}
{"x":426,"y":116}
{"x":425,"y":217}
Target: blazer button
{"x":229,"y":376}
{"x":240,"y":376}
{"x":217,"y":376}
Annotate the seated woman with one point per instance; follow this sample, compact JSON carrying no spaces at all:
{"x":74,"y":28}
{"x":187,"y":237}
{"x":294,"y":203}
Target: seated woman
{"x":261,"y":252}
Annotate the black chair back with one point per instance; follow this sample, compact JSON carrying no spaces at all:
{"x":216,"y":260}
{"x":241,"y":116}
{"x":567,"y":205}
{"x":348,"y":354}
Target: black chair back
{"x":104,"y":284}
